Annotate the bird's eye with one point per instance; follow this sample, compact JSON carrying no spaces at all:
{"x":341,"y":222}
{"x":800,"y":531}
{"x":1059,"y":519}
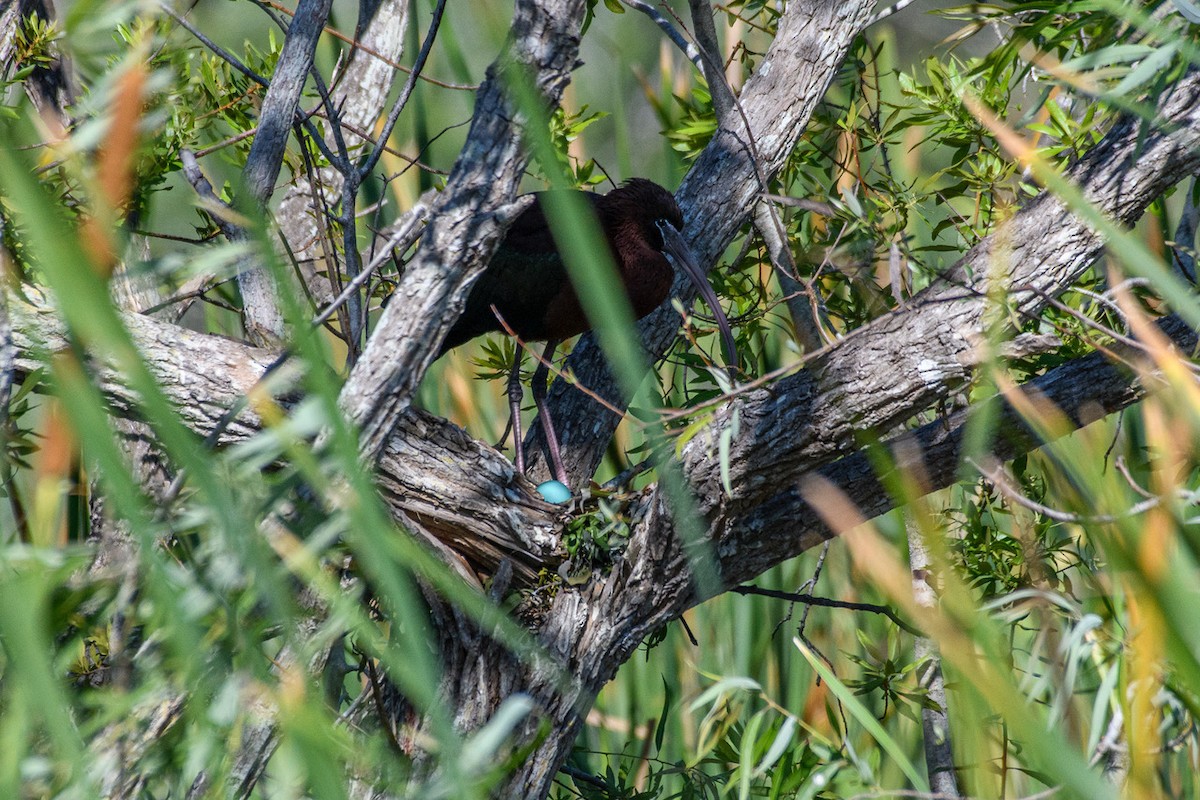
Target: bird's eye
{"x":660,"y":227}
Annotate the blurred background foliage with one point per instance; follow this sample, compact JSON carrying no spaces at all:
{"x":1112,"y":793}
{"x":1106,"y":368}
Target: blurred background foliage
{"x":1074,"y":580}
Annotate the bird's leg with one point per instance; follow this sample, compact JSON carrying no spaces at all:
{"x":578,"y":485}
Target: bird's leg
{"x":499,"y":445}
{"x":541,"y":378}
{"x":515,"y":395}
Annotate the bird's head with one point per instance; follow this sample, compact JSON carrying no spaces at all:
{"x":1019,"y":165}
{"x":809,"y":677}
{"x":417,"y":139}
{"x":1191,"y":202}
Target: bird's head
{"x":660,"y":222}
{"x":645,"y":204}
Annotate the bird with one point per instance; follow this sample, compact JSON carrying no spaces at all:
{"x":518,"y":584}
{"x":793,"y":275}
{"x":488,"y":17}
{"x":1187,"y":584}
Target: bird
{"x":526,"y":285}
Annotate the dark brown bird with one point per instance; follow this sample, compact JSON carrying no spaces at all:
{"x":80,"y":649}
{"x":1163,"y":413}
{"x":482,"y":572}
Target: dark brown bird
{"x":528,"y":285}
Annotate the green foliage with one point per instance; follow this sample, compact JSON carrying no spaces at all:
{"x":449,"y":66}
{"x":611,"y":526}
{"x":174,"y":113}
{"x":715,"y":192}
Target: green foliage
{"x":898,"y":158}
{"x":696,"y":124}
{"x":207,"y":605}
{"x":593,"y":538}
{"x":888,"y":673}
{"x":747,"y":748}
{"x":1065,"y":593}
{"x":19,"y":438}
{"x":34,"y":41}
{"x":565,"y":128}
{"x":590,"y":12}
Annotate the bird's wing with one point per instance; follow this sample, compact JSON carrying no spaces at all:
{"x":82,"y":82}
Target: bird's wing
{"x":523,"y":279}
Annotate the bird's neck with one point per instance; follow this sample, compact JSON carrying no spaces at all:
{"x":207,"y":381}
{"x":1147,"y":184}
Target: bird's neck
{"x":644,"y":270}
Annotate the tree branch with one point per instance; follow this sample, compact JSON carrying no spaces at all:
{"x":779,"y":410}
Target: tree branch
{"x":935,"y":722}
{"x":283,"y":96}
{"x":915,"y":357}
{"x":873,"y":380}
{"x":465,"y":226}
{"x":613,"y":615}
{"x":360,"y":97}
{"x":428,"y":459}
{"x":824,"y":602}
{"x":876,"y":378}
{"x":260,"y":309}
{"x":496,"y":515}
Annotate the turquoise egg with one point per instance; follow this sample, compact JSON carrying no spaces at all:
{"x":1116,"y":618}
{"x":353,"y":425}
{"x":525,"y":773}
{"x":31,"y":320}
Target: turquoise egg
{"x":554,"y":492}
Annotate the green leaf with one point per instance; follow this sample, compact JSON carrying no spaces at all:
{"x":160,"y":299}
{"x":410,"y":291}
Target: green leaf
{"x":863,"y":716}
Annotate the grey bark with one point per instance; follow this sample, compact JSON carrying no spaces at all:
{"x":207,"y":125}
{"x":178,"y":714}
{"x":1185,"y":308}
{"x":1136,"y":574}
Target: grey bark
{"x":278,"y":112}
{"x":260,"y":307}
{"x":801,"y":305}
{"x":710,"y":60}
{"x":1080,"y":389}
{"x":935,"y":722}
{"x":929,"y":343}
{"x":876,"y":378}
{"x":925,"y":353}
{"x":497,"y":514}
{"x":766,"y":217}
{"x":191,"y":365}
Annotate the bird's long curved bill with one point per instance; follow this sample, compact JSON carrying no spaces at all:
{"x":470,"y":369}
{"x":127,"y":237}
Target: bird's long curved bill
{"x":675,"y":246}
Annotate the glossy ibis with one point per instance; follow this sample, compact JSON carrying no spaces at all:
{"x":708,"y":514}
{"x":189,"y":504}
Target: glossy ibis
{"x":527,"y":285}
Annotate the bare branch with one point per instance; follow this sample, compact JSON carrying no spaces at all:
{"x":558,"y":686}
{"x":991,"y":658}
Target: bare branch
{"x":260,"y":308}
{"x":218,"y":210}
{"x":283,"y":97}
{"x":824,"y":602}
{"x":670,"y":30}
{"x":406,"y":92}
{"x":801,"y":300}
{"x":710,"y":63}
{"x":359,"y":97}
{"x":888,"y":11}
{"x":495,"y":515}
{"x":404,"y":233}
{"x":226,"y":56}
{"x":766,"y":218}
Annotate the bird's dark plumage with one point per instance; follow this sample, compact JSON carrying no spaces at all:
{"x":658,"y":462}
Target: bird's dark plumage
{"x":528,"y":284}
